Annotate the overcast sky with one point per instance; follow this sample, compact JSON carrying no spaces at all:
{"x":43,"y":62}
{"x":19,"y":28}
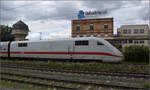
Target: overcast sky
{"x":53,"y":18}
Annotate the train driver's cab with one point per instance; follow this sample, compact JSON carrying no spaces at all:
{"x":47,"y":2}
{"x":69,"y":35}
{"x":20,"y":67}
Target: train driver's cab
{"x":99,"y":43}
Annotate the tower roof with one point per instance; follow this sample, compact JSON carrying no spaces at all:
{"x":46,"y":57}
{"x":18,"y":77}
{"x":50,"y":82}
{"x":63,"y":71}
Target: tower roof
{"x":20,"y":25}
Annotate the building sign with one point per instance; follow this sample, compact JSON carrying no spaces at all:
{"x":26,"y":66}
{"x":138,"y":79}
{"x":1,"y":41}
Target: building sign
{"x":95,"y":12}
{"x":81,"y":14}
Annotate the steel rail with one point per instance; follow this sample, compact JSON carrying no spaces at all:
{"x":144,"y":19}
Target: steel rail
{"x":106,"y":73}
{"x":39,"y":84}
{"x":68,"y":81}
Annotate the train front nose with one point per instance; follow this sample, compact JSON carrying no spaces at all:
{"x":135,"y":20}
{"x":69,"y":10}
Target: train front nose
{"x":119,"y":55}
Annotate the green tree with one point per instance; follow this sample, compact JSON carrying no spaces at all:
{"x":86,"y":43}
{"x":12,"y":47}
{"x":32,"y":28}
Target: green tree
{"x":5,"y":33}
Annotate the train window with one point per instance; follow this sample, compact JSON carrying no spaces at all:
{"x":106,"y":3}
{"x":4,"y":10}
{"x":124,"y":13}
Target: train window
{"x":99,"y":43}
{"x":19,"y":44}
{"x":83,"y":42}
{"x":22,"y":45}
{"x":77,"y":43}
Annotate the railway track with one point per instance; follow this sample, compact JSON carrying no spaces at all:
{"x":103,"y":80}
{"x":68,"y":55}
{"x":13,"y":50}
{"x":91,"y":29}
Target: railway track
{"x":111,"y":77}
{"x":43,"y":80}
{"x":96,"y":73}
{"x":32,"y":80}
{"x":39,"y":84}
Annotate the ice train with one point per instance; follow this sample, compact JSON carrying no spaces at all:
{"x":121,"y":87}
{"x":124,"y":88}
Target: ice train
{"x":85,"y":48}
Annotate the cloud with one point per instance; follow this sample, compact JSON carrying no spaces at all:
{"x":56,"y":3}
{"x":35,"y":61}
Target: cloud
{"x":6,"y":14}
{"x":48,"y":35}
{"x":131,"y":12}
{"x":103,"y":5}
{"x":50,"y":29}
{"x":54,"y":17}
{"x":33,"y":36}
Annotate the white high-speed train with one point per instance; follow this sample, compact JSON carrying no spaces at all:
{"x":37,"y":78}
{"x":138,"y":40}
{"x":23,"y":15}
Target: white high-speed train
{"x":86,"y":48}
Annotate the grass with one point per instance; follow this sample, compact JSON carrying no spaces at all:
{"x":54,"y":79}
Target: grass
{"x":129,"y":62}
{"x":96,"y":66}
{"x":146,"y":84}
{"x":16,"y":85}
{"x":33,"y":87}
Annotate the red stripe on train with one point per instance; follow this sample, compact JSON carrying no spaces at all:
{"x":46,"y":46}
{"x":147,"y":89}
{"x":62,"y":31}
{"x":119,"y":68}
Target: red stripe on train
{"x":79,"y":53}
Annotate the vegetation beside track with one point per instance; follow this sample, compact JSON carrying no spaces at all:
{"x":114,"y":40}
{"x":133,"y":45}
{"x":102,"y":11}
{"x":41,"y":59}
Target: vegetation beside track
{"x":94,"y":66}
{"x":147,"y":85}
{"x":135,"y":63}
{"x":135,"y":53}
{"x":22,"y":86}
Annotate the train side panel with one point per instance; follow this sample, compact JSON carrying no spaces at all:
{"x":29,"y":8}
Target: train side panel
{"x":66,"y":49}
{"x":98,"y":50}
{"x":87,"y":51}
{"x":53,"y":49}
{"x":4,"y":49}
{"x":93,"y":51}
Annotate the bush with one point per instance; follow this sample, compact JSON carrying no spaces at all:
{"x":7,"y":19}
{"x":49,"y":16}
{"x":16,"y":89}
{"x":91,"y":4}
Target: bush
{"x":147,"y":84}
{"x":136,"y":53}
{"x":119,"y":47}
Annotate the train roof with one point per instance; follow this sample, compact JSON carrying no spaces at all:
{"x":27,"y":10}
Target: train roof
{"x":65,"y":39}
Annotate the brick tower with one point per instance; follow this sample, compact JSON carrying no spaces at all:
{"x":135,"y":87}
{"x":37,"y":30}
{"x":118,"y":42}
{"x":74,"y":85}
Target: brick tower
{"x":20,"y":30}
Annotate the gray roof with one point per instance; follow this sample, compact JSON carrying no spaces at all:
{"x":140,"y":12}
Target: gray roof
{"x":136,"y":25}
{"x":20,"y":25}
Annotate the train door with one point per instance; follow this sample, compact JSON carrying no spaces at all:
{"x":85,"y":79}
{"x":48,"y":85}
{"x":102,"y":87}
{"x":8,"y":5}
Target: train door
{"x":71,"y":49}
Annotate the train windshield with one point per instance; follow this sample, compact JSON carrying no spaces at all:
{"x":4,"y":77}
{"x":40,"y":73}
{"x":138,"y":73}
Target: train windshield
{"x":99,"y":43}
